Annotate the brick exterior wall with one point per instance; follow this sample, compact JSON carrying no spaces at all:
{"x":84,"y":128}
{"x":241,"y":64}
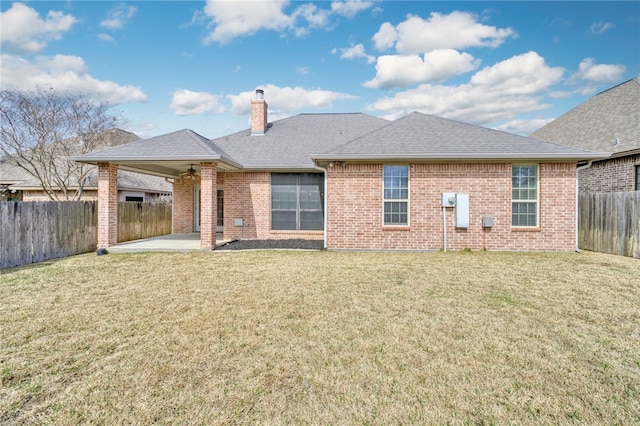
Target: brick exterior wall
{"x":613,"y":175}
{"x":28,"y":195}
{"x":107,"y":205}
{"x":208,"y":202}
{"x":183,"y":191}
{"x":355,"y":209}
{"x":247,"y":196}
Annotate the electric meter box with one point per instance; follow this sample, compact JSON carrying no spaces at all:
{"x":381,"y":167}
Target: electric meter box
{"x":448,"y":199}
{"x":462,"y":210}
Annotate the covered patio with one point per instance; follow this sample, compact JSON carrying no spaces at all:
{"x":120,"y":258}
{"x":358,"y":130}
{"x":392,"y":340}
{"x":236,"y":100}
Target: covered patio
{"x":187,"y":160}
{"x":165,"y":243}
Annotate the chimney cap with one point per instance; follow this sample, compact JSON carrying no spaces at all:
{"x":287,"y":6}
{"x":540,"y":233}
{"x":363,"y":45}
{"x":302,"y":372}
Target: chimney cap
{"x":259,"y":94}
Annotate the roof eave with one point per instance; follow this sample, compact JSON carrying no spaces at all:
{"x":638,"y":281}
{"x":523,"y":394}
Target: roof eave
{"x":128,"y":162}
{"x":460,"y":157}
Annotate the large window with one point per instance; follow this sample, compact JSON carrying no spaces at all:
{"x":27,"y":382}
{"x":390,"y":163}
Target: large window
{"x":297,"y":201}
{"x":524,"y":195}
{"x":396,"y":195}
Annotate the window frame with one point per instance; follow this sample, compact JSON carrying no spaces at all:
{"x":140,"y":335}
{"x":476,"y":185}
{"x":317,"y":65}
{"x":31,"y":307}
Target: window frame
{"x":406,"y":200}
{"x":526,"y":201}
{"x":298,"y":209}
{"x":637,"y":177}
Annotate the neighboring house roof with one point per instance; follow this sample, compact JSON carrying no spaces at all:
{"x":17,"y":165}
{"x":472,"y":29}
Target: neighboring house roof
{"x":423,"y":137}
{"x":607,"y":122}
{"x":17,"y":178}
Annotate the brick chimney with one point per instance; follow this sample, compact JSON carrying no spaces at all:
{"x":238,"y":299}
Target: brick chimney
{"x":258,"y":114}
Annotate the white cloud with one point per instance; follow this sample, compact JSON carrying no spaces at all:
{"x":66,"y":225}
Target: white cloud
{"x":283,"y":100}
{"x":186,"y":102}
{"x":523,"y":74}
{"x":118,"y":17}
{"x":603,"y":73}
{"x":354,"y":52}
{"x":302,"y":70}
{"x":404,"y":70}
{"x":65,"y":73}
{"x":498,"y":92}
{"x":386,"y":36}
{"x":106,"y":37}
{"x":236,"y":19}
{"x":22,"y":29}
{"x":350,"y":8}
{"x":232,"y":19}
{"x":600,"y":27}
{"x":310,"y":13}
{"x":456,"y":30}
{"x":523,"y":127}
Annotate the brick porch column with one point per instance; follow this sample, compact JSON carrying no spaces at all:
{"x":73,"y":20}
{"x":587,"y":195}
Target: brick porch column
{"x":107,"y":205}
{"x":208,"y":207}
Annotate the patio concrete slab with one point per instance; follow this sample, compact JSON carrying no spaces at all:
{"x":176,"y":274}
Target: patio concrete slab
{"x":163,"y":243}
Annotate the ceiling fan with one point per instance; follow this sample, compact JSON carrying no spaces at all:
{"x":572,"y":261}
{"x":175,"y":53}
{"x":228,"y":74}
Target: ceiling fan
{"x":190,"y":173}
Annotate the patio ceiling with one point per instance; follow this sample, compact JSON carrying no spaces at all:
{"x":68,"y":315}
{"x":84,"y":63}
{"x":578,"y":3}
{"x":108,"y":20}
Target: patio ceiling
{"x":168,"y":168}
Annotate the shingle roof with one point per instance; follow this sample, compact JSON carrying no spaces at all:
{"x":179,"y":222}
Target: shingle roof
{"x":599,"y":121}
{"x":420,"y":136}
{"x":287,"y":143}
{"x":294,"y":143}
{"x":182,"y":144}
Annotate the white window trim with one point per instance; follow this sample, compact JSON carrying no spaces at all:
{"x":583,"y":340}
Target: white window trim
{"x":408,"y":200}
{"x":537,"y":201}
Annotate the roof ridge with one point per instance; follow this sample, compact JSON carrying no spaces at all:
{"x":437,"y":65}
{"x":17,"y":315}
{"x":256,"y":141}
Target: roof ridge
{"x":201,"y":140}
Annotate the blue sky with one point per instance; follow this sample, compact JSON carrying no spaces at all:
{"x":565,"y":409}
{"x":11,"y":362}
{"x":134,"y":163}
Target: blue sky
{"x":169,"y":65}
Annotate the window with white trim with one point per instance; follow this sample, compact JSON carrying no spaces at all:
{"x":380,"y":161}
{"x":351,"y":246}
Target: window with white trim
{"x":297,"y":201}
{"x":396,"y":195}
{"x":524,"y":195}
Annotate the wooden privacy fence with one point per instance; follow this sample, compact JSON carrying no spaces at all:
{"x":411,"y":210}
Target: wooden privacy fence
{"x":143,"y":220}
{"x":610,"y":222}
{"x":36,"y":231}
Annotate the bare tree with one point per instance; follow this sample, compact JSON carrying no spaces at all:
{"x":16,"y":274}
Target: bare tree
{"x":40,"y":129}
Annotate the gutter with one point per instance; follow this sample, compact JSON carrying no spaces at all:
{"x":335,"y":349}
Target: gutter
{"x":462,"y":157}
{"x":586,"y":166}
{"x":324,"y":170}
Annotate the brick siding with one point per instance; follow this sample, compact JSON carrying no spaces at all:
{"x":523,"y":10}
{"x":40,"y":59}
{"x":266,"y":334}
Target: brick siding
{"x":355,"y":209}
{"x":208,"y":201}
{"x":29,"y":195}
{"x":107,"y":205}
{"x":247,"y":196}
{"x":613,"y":175}
{"x":183,"y":191}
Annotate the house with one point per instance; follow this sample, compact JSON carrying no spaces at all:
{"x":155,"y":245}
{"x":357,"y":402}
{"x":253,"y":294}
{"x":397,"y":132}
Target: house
{"x":607,"y":122}
{"x":18,"y":185}
{"x":358,"y":182}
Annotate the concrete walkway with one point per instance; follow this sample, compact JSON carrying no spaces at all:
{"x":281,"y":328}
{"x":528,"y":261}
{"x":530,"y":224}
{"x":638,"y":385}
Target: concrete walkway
{"x":164,"y":243}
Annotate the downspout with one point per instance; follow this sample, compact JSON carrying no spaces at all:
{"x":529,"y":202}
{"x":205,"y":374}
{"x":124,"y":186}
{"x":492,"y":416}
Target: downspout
{"x":324,"y":170}
{"x":586,"y":166}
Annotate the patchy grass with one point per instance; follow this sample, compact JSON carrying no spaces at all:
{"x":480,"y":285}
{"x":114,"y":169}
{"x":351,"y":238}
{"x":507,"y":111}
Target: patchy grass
{"x":281,"y":337}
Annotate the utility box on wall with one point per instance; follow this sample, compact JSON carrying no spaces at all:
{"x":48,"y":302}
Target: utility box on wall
{"x":462,"y":210}
{"x":448,"y":199}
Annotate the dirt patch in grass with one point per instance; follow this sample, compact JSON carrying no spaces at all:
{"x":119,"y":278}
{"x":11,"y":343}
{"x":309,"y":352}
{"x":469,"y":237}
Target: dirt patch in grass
{"x":315,"y":337}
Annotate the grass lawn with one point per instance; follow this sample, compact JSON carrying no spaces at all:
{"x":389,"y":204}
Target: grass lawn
{"x":284,"y":337}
